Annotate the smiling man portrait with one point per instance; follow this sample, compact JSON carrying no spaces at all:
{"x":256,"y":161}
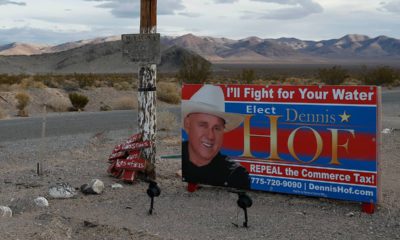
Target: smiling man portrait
{"x":205,"y":122}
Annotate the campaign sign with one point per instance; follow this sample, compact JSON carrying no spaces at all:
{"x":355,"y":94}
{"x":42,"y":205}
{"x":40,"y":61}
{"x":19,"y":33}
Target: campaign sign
{"x":318,"y":141}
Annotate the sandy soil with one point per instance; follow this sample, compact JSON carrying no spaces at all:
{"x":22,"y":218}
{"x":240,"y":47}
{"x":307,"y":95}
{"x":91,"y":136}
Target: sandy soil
{"x":205,"y":214}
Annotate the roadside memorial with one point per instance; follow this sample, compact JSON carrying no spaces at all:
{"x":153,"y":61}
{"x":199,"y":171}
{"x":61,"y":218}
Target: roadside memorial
{"x":144,"y":48}
{"x":126,"y":159}
{"x":320,"y":141}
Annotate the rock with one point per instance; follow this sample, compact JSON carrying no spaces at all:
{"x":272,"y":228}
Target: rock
{"x":97,"y":186}
{"x":350,"y":214}
{"x":62,"y":190}
{"x":20,"y":205}
{"x":41,"y":202}
{"x":90,"y":224}
{"x":300,"y":213}
{"x":86,"y":189}
{"x":5,"y":211}
{"x":94,"y":187}
{"x":116,"y":186}
{"x":387,"y":130}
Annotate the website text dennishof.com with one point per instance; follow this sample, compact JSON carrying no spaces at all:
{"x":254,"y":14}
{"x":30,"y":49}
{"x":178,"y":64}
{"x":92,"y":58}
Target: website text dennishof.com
{"x":340,"y":189}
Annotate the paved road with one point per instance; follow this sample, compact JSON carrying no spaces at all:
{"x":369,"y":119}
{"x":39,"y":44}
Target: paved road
{"x":70,"y":123}
{"x":391,"y":96}
{"x":92,"y":122}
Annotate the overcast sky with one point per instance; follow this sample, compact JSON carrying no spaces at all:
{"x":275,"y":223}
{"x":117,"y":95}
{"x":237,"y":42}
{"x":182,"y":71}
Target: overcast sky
{"x":58,"y":21}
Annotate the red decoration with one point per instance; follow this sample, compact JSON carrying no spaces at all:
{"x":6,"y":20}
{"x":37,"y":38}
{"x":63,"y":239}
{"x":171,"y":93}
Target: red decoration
{"x":125,"y":158}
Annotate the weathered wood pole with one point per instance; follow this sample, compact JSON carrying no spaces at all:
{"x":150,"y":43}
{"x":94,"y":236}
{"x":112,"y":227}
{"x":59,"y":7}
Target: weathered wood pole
{"x":147,"y":87}
{"x":40,"y":164}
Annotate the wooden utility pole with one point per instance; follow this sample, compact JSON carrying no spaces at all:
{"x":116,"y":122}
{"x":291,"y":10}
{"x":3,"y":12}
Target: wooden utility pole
{"x":144,"y":48}
{"x":147,"y":87}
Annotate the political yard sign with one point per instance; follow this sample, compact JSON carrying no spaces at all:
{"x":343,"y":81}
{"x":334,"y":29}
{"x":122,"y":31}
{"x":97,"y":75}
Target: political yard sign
{"x":318,"y":141}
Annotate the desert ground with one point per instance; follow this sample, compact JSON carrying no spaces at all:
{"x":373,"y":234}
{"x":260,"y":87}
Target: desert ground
{"x":205,"y":214}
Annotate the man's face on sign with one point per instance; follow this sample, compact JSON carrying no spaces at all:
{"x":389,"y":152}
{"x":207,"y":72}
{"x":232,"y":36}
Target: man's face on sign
{"x":206,"y":134}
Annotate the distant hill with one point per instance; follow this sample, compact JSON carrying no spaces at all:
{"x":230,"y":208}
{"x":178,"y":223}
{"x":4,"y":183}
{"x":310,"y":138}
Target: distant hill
{"x":104,"y":54}
{"x":22,"y":49}
{"x":105,"y":57}
{"x":34,"y":49}
{"x":350,"y":48}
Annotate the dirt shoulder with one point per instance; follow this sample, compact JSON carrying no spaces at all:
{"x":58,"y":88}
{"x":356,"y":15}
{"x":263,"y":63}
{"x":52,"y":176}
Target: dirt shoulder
{"x":205,"y":214}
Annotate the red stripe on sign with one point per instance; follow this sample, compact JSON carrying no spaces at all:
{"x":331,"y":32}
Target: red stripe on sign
{"x":305,"y":142}
{"x":358,"y":95}
{"x":311,"y":173}
{"x":189,"y":89}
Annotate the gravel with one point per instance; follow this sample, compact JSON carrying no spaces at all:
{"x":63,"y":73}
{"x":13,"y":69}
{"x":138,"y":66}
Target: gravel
{"x":209,"y":213}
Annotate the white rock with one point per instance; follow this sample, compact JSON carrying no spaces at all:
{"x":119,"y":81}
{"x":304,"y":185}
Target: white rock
{"x":387,"y":131}
{"x":97,"y":186}
{"x":41,"y":202}
{"x":5,"y":211}
{"x":116,"y":186}
{"x":350,"y":214}
{"x":62,"y":190}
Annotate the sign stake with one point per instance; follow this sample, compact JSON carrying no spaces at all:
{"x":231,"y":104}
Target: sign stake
{"x":40,"y":164}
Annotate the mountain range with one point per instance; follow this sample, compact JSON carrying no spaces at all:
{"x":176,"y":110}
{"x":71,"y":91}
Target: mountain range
{"x":103,"y":54}
{"x":352,"y":47}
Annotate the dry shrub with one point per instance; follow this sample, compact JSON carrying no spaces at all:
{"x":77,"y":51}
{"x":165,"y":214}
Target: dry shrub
{"x":333,"y":76}
{"x":124,"y":103}
{"x":70,"y":86}
{"x":384,"y":75}
{"x":194,"y":69}
{"x":260,"y":82}
{"x":2,"y":113}
{"x":169,"y":92}
{"x":29,"y":82}
{"x":98,"y":84}
{"x":5,"y":88}
{"x":166,"y":121}
{"x":58,"y":104}
{"x":78,"y":101}
{"x":292,"y":81}
{"x":247,"y":76}
{"x":352,"y":81}
{"x":104,"y":107}
{"x":122,"y":86}
{"x":23,"y":100}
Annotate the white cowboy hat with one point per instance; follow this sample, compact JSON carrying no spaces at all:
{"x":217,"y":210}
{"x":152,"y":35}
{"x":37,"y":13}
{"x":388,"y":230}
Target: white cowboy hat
{"x":210,"y":99}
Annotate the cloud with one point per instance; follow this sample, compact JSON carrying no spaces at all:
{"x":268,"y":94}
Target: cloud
{"x":37,"y":35}
{"x":293,"y":9}
{"x":5,"y":2}
{"x":392,"y":6}
{"x":225,"y":1}
{"x":131,"y":9}
{"x":190,"y":14}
